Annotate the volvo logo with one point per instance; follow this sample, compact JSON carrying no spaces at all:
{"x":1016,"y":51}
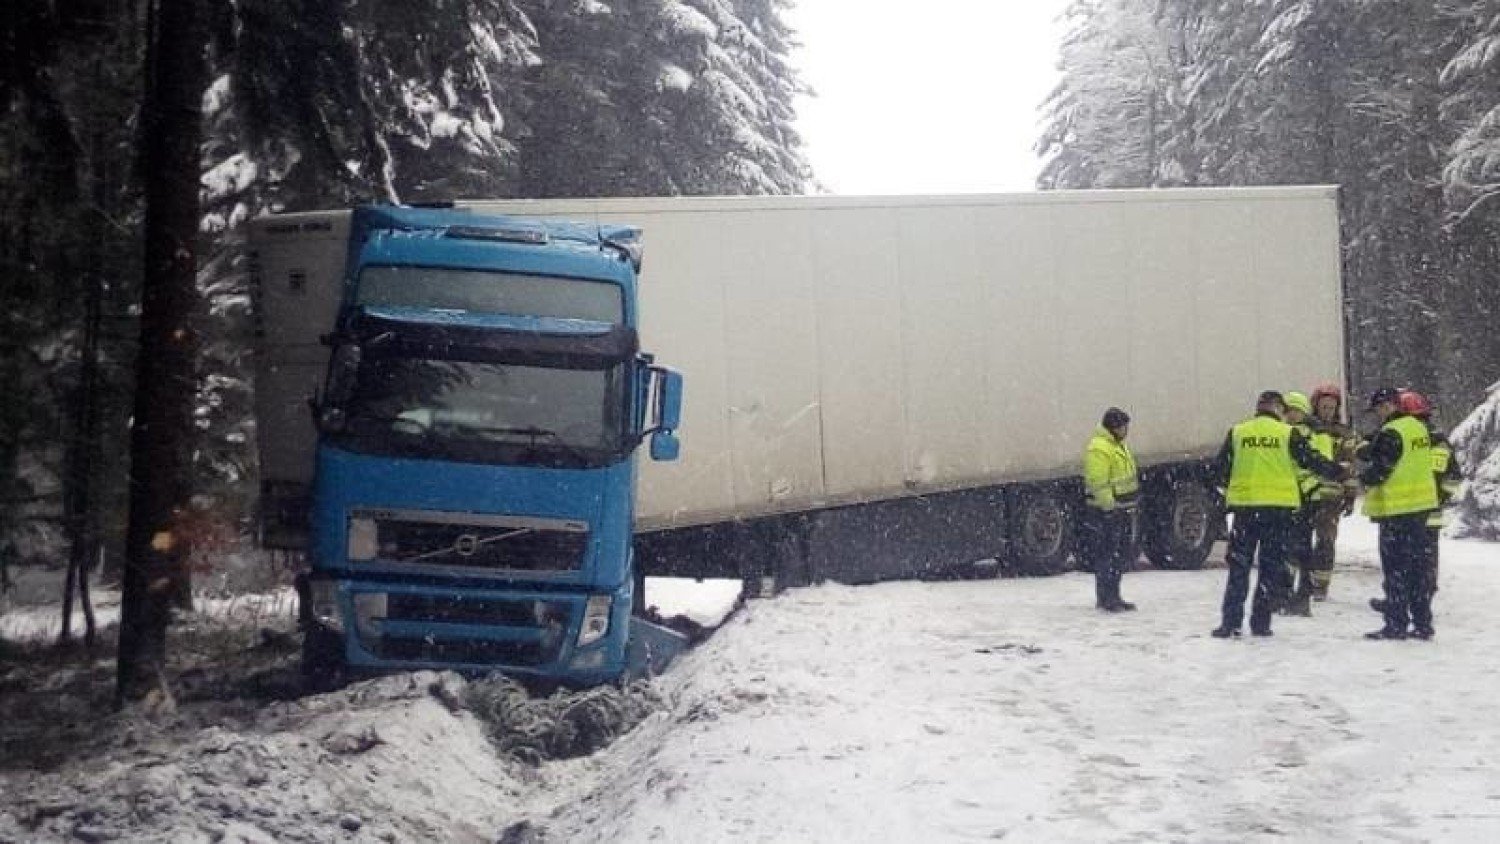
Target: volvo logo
{"x":466,"y":545}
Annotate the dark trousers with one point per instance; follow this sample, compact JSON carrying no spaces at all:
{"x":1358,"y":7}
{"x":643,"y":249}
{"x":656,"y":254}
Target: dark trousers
{"x":1300,"y":552}
{"x":1326,"y":517}
{"x":1108,"y":542}
{"x":1433,"y":535}
{"x":1266,"y":530}
{"x":1407,"y":561}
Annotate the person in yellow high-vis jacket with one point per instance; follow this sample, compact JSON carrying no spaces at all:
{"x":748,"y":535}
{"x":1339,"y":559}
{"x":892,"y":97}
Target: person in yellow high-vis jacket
{"x":1259,"y":465}
{"x":1446,"y":472}
{"x":1298,"y":597}
{"x":1111,"y":487}
{"x":1400,"y":494}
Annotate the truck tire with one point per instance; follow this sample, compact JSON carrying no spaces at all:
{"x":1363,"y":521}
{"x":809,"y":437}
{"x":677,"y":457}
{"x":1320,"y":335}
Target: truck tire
{"x":1181,"y":524}
{"x":1041,"y":532}
{"x":323,"y":667}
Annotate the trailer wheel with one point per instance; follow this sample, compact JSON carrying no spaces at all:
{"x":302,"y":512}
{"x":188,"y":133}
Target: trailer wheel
{"x":1041,"y":532}
{"x":1181,"y":525}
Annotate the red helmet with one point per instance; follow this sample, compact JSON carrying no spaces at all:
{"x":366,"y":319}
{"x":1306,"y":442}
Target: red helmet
{"x":1413,"y":403}
{"x":1326,"y":390}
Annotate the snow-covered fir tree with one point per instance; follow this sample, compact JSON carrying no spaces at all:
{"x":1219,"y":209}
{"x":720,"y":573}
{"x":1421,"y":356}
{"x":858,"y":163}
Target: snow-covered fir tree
{"x":1476,"y":443}
{"x":1387,"y":100}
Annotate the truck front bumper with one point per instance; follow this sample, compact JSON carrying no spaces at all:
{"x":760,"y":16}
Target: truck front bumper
{"x":518,"y":631}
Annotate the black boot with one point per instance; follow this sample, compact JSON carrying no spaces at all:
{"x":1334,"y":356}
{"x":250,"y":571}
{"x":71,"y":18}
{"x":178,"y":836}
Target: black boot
{"x":1107,"y":595}
{"x":1386,"y":633}
{"x":1225,"y":632}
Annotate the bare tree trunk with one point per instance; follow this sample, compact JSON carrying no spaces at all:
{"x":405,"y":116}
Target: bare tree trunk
{"x":155,"y":548}
{"x":90,"y":626}
{"x":83,"y":446}
{"x":69,"y":583}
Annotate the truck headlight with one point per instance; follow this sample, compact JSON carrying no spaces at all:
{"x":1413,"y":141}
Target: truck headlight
{"x":323,"y":604}
{"x":364,"y":539}
{"x":595,"y":620}
{"x":369,"y":611}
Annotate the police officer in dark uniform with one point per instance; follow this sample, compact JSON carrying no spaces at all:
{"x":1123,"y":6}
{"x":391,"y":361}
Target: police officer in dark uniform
{"x":1401,"y":492}
{"x":1258,"y":466}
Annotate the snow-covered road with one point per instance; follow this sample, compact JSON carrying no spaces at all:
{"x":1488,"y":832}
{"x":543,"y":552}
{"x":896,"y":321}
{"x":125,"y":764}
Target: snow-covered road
{"x":981,"y":710}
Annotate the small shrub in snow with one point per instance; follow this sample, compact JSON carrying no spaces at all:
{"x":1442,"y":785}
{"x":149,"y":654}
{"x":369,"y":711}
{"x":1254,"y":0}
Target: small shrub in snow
{"x":565,"y":725}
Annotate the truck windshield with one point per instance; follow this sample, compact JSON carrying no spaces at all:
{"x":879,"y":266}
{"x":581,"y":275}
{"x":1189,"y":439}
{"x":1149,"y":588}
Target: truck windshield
{"x":484,"y":291}
{"x":488,"y":412}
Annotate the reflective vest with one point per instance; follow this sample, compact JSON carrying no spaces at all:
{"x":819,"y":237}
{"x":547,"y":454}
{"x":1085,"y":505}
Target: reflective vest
{"x":1324,"y":443}
{"x":1442,"y":457}
{"x":1262,"y":472}
{"x":1308,"y":482}
{"x":1109,"y":472}
{"x":1411,"y":486}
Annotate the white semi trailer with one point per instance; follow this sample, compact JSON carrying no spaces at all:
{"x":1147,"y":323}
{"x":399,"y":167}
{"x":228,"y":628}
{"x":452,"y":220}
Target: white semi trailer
{"x":888,"y":387}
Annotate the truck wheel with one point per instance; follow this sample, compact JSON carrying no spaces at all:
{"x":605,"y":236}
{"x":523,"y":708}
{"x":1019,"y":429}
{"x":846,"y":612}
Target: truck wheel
{"x":322,"y":659}
{"x":1180,"y":525}
{"x":1041,"y":532}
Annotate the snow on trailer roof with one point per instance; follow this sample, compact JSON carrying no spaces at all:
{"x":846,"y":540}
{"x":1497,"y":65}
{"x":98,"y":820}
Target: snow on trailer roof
{"x":458,"y":221}
{"x":702,"y":204}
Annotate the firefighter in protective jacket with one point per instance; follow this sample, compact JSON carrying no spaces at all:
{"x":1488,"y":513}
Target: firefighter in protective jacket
{"x":1298,"y":598}
{"x":1335,"y":440}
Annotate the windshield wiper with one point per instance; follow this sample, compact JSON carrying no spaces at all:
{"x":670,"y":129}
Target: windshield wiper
{"x":385,"y":428}
{"x":534,"y":432}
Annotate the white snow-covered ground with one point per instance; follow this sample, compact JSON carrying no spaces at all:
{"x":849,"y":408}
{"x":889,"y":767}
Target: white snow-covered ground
{"x":899,"y":712}
{"x":705,"y":602}
{"x":45,"y":621}
{"x":982,"y":710}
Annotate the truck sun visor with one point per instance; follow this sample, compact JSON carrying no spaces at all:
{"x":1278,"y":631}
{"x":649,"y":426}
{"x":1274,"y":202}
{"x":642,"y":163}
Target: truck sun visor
{"x":610,"y":345}
{"x":506,"y":235}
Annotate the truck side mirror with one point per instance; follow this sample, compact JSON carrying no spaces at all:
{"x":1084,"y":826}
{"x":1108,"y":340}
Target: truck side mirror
{"x":669,"y":398}
{"x":332,"y":419}
{"x":342,"y":372}
{"x":665,"y":446}
{"x":667,"y":389}
{"x":328,"y":418}
{"x":328,"y":410}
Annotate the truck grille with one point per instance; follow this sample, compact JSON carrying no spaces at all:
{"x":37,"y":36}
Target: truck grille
{"x":550,"y":618}
{"x":518,"y":546}
{"x":439,"y":609}
{"x":473,"y":651}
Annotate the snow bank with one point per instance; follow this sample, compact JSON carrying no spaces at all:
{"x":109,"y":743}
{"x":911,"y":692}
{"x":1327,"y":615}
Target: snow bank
{"x":1477,"y":444}
{"x":397,"y":758}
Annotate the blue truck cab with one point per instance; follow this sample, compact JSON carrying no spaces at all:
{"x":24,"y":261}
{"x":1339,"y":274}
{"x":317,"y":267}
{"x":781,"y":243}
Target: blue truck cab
{"x":473,"y":497}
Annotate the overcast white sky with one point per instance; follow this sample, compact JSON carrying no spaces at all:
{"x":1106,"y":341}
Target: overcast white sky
{"x":939,"y":96}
